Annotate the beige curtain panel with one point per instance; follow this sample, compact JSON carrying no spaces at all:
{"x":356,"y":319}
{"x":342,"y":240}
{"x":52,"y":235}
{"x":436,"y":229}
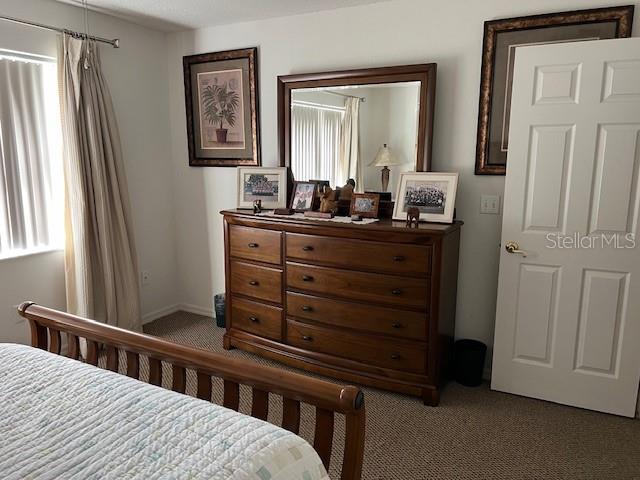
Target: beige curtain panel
{"x":350,"y":144}
{"x":100,"y":257}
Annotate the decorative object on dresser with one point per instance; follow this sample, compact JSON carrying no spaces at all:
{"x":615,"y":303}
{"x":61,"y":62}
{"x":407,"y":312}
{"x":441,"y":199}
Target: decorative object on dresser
{"x":373,"y":304}
{"x":501,"y":37}
{"x":269,"y":185}
{"x":433,"y":194}
{"x":221,"y":95}
{"x":413,"y":217}
{"x":303,"y":197}
{"x":365,"y":205}
{"x":329,"y":200}
{"x":385,"y":158}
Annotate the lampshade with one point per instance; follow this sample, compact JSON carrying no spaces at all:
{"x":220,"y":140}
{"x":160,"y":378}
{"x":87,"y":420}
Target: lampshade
{"x":385,"y":157}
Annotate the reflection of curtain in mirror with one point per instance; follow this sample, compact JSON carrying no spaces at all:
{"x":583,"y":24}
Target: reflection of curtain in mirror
{"x":350,"y":143}
{"x":315,"y":142}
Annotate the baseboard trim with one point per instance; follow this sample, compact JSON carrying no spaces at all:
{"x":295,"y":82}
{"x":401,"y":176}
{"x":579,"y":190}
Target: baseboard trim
{"x":161,"y":312}
{"x":197,"y":309}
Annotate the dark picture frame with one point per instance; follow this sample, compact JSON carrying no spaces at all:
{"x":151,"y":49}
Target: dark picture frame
{"x":373,"y":204}
{"x":221,"y":98}
{"x":297,"y":195}
{"x":580,"y":25}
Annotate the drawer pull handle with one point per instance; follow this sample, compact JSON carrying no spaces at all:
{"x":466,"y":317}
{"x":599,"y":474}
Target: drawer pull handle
{"x":307,"y":308}
{"x":254,"y":319}
{"x":253,"y":245}
{"x":398,"y":258}
{"x":397,"y":325}
{"x":254,"y":283}
{"x":307,"y":248}
{"x":395,"y":356}
{"x":396,"y":291}
{"x":307,"y":278}
{"x":307,"y":338}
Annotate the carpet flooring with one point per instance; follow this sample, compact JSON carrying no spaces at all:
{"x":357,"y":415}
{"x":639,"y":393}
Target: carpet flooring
{"x":474,"y":434}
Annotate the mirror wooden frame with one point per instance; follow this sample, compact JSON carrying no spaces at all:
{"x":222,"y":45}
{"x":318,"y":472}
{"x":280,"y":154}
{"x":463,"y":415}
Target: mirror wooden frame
{"x":423,"y":73}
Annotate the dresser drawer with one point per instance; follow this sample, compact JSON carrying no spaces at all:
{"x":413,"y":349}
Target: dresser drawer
{"x":257,"y":318}
{"x":396,"y":258}
{"x":390,"y":289}
{"x":255,"y":244}
{"x":380,"y":351}
{"x":359,"y":316}
{"x":256,"y":281}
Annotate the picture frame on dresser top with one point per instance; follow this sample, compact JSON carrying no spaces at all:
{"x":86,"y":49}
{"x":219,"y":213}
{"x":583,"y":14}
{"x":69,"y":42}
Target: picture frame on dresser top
{"x":365,"y":205}
{"x":432,"y":193}
{"x":501,"y":37}
{"x":371,"y":303}
{"x":304,"y":196}
{"x":262,"y":183}
{"x":221,"y":101}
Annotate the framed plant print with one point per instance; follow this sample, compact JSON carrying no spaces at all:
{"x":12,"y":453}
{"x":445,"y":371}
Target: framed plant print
{"x":266,"y":184}
{"x":303,"y":198}
{"x":501,"y":38}
{"x":433,"y":194}
{"x":221,"y":96}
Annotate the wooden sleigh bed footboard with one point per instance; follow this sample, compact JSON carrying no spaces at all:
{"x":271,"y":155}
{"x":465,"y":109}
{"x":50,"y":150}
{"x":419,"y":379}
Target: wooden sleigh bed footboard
{"x":48,"y":326}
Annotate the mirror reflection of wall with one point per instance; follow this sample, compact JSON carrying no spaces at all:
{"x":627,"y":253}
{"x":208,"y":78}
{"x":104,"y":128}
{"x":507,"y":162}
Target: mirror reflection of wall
{"x":337,"y":133}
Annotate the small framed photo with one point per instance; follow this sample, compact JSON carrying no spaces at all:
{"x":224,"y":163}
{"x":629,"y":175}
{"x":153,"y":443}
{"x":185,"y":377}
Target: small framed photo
{"x":365,"y":204}
{"x":433,"y":194}
{"x":320,"y":184}
{"x":266,"y":184}
{"x":304,"y":196}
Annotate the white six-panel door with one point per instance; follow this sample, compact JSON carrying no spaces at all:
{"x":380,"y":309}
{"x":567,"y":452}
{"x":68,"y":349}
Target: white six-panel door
{"x":568,"y":317}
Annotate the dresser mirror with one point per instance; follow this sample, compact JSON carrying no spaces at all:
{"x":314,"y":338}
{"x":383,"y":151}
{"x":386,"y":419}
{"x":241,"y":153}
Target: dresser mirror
{"x":369,"y":125}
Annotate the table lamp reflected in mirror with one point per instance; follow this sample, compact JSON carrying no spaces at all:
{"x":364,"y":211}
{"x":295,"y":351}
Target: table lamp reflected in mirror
{"x":385,"y":158}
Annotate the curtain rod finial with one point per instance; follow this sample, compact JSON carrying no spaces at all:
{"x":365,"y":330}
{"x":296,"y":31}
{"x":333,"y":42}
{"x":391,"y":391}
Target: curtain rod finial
{"x":116,"y":43}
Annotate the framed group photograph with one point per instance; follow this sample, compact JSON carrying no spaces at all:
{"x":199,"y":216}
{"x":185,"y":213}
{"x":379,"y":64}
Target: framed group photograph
{"x":365,"y":204}
{"x":433,"y":194}
{"x":221,"y":96}
{"x":269,"y":185}
{"x":501,"y":38}
{"x":303,"y":196}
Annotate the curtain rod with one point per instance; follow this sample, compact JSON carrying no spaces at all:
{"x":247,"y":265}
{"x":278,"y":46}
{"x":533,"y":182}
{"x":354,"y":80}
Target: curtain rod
{"x":115,"y":43}
{"x":362,"y":99}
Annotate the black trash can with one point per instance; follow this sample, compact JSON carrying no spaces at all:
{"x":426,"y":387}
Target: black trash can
{"x":468,"y":362}
{"x":219,"y":307}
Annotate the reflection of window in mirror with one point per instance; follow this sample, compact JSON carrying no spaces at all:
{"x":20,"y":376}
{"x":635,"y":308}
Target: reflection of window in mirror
{"x":337,"y":132}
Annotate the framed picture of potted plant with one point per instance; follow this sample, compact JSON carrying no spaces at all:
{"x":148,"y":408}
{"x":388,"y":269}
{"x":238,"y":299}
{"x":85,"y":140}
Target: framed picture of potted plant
{"x":221,"y":96}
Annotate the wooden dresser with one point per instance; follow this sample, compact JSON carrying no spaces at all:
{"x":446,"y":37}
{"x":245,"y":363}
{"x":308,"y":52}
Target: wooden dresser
{"x":372,"y":304}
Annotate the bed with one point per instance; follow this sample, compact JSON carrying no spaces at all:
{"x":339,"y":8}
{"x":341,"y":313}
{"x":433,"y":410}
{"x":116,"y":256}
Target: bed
{"x":64,"y":418}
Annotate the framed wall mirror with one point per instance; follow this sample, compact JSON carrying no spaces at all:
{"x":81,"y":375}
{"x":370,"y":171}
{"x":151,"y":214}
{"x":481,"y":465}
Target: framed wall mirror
{"x":362,"y":124}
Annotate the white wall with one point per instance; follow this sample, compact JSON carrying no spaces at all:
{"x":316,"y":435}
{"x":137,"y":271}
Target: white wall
{"x":382,"y":34}
{"x":137,"y":76}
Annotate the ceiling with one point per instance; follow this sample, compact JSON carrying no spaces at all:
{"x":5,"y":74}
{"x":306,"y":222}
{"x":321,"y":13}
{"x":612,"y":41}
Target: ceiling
{"x":174,"y":15}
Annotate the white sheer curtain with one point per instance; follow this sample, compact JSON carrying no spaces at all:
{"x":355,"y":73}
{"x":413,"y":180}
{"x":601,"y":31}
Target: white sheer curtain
{"x":27,"y":193}
{"x":315,"y":143}
{"x":350,"y":143}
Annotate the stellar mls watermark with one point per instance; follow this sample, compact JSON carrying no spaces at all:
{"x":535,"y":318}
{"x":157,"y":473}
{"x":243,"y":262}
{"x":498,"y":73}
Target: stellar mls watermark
{"x":597,"y":241}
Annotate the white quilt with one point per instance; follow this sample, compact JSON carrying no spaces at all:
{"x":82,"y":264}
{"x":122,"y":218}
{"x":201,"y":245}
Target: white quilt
{"x":62,"y":419}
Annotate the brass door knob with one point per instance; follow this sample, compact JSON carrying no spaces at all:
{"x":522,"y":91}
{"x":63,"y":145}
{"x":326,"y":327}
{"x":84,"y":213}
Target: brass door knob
{"x":513,"y":247}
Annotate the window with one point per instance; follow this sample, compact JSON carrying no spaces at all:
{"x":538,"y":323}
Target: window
{"x":316,"y":132}
{"x":31,"y":182}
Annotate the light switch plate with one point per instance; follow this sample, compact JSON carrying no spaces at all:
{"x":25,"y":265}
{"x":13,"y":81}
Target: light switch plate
{"x":490,"y":204}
